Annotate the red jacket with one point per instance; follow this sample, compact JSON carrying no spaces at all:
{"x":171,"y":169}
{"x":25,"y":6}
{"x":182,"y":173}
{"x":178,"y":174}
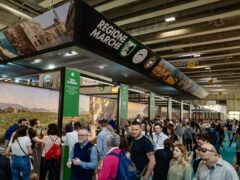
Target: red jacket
{"x":109,"y":166}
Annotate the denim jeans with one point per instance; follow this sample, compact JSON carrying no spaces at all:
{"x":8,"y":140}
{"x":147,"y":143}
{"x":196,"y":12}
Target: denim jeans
{"x":21,"y":164}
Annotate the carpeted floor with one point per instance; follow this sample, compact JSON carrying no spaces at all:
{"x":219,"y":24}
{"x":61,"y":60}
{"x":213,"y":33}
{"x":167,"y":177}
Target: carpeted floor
{"x":228,"y":153}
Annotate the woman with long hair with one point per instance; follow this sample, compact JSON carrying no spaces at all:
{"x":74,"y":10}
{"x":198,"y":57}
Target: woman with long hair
{"x":50,"y":166}
{"x":148,"y":131}
{"x":172,"y":135}
{"x":124,"y":146}
{"x":20,"y":149}
{"x":180,"y":169}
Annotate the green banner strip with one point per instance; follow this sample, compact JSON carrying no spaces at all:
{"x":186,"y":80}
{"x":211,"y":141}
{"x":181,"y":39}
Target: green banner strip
{"x":71,"y":93}
{"x":123,"y":101}
{"x":66,"y":170}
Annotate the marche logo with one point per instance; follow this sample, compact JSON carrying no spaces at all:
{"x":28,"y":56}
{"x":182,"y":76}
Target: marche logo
{"x":128,"y":48}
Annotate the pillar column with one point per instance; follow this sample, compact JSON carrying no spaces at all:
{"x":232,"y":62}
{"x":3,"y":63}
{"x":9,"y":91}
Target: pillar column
{"x":169,"y":109}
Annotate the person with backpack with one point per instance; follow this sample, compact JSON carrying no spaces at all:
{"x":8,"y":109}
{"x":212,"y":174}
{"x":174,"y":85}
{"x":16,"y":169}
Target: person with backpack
{"x":84,"y":158}
{"x":51,"y":153}
{"x":116,"y":165}
{"x":110,"y":163}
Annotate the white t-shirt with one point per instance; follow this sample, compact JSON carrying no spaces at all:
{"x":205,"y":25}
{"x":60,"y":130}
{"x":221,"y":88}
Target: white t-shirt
{"x":70,"y":139}
{"x":24,"y":141}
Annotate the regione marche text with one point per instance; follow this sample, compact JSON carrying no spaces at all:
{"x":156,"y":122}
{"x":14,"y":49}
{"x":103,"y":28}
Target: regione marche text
{"x":109,"y":35}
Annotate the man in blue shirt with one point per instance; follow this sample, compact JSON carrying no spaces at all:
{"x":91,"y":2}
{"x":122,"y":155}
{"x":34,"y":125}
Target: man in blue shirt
{"x":101,"y":138}
{"x":8,"y":134}
{"x":113,"y":122}
{"x":84,"y":158}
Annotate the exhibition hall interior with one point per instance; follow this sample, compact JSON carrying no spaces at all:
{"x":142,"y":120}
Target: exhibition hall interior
{"x":117,"y":70}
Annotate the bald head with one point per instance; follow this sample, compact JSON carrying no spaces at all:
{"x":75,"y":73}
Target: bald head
{"x":208,"y":154}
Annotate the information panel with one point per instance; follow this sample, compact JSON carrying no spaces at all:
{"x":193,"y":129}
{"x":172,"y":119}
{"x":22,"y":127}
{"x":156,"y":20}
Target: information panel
{"x":71,"y":93}
{"x":152,"y":105}
{"x":123,"y":101}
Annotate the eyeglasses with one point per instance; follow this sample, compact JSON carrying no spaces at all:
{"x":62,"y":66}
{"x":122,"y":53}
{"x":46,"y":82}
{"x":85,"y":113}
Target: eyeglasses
{"x":82,"y":135}
{"x":204,"y":150}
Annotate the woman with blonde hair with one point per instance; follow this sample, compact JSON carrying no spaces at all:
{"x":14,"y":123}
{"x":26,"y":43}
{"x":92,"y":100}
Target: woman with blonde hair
{"x":180,"y":169}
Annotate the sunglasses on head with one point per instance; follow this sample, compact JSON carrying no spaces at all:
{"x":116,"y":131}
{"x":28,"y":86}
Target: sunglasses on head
{"x":204,"y":150}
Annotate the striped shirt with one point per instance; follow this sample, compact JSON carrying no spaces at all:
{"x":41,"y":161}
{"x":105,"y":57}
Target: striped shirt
{"x":49,"y":142}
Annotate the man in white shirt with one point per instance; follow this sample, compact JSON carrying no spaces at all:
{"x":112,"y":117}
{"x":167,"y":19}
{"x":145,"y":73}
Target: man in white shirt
{"x":159,"y":137}
{"x":72,"y":137}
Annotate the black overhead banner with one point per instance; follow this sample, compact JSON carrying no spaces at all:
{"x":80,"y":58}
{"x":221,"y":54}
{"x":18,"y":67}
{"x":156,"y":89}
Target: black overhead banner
{"x":98,"y":34}
{"x":102,"y":36}
{"x":78,"y":24}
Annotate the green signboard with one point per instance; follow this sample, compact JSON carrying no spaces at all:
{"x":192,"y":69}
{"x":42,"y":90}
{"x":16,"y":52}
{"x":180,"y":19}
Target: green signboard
{"x":71,"y":93}
{"x":123,"y":101}
{"x":151,"y":105}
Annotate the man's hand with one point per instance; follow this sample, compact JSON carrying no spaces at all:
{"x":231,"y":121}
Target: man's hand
{"x":76,"y":161}
{"x":69,"y":164}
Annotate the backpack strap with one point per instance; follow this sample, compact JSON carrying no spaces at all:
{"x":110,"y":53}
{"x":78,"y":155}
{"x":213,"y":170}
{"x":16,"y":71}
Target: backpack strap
{"x":115,"y":154}
{"x":22,"y":148}
{"x":54,"y":141}
{"x":118,"y":156}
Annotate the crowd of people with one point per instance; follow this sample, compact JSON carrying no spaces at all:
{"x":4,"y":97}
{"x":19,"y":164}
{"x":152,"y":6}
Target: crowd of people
{"x":140,"y":149}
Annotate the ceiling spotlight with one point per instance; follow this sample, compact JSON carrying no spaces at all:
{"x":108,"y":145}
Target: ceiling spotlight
{"x":51,"y":66}
{"x":102,"y":66}
{"x":35,"y":61}
{"x":196,"y":55}
{"x":170,"y":19}
{"x":207,"y":68}
{"x":70,"y":53}
{"x":16,"y":80}
{"x":191,"y":55}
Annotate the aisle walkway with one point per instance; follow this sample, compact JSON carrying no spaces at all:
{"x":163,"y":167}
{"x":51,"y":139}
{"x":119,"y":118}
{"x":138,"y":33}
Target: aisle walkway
{"x":229,"y":152}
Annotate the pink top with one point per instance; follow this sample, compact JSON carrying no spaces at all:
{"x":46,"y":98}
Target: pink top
{"x":109,"y":166}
